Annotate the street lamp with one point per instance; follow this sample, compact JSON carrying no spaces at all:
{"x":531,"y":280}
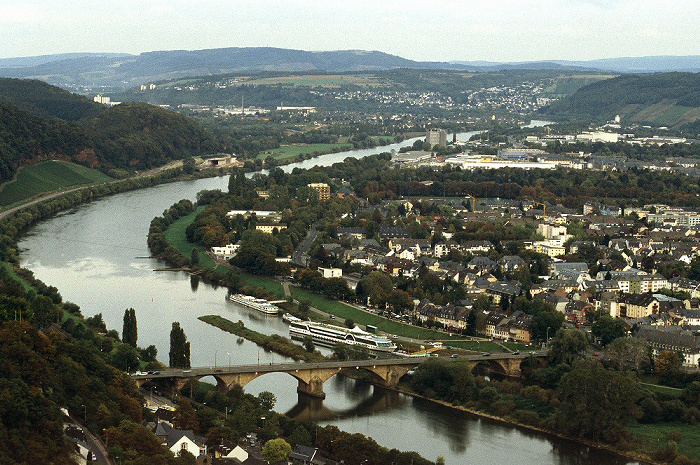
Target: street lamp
{"x":547,"y":343}
{"x":84,"y":413}
{"x":229,"y":359}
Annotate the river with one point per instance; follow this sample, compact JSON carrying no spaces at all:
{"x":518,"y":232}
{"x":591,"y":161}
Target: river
{"x":91,"y":253}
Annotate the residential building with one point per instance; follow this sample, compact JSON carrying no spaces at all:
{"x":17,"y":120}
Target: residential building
{"x":323,"y":189}
{"x":270,"y":227}
{"x":331,"y":272}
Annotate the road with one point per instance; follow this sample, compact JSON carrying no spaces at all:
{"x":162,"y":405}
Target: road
{"x":305,"y":245}
{"x":53,"y":195}
{"x":95,"y":444}
{"x":206,"y":371}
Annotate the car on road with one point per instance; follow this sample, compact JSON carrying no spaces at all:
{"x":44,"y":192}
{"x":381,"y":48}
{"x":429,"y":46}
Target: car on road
{"x":516,"y":352}
{"x":486,"y":354}
{"x":454,"y":356}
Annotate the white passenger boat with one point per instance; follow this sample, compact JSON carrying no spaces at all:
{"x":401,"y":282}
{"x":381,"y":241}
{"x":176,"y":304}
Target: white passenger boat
{"x":330,"y":334}
{"x":260,"y":305}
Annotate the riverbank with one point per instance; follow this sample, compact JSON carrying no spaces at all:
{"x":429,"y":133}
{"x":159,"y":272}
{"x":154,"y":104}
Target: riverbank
{"x":643,"y":458}
{"x":276,"y":343}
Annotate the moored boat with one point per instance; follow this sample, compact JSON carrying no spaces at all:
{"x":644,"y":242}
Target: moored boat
{"x":260,"y":305}
{"x":330,"y":334}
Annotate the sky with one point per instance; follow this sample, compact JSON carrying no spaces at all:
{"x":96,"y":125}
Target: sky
{"x":423,"y":30}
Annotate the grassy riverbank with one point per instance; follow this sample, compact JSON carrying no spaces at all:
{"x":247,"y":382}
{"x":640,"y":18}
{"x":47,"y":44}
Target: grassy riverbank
{"x":274,"y":343}
{"x":291,"y":151}
{"x":175,"y":235}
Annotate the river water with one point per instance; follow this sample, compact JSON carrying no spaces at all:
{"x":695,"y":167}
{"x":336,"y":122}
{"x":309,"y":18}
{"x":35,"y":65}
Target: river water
{"x":92,"y":253}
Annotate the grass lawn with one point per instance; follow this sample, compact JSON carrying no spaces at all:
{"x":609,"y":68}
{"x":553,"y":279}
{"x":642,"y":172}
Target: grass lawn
{"x":45,"y":177}
{"x":653,"y":437}
{"x":670,"y":391}
{"x":16,"y":277}
{"x":176,"y":237}
{"x":345,"y":311}
{"x":290,"y":151}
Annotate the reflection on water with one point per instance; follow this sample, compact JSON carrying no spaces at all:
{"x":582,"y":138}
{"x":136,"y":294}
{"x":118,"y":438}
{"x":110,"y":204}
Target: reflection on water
{"x":91,"y":254}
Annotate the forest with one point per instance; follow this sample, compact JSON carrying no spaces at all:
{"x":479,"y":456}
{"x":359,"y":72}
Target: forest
{"x":659,"y":99}
{"x":40,"y":122}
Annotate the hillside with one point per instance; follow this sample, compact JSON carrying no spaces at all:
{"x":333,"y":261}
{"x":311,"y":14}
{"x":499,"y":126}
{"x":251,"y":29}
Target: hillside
{"x":160,"y":65}
{"x":120,"y":71}
{"x":46,"y":100}
{"x":663,"y":99}
{"x":40,"y":122}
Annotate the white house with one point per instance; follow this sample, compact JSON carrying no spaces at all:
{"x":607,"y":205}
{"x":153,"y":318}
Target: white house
{"x":226,"y":252}
{"x":331,"y":272}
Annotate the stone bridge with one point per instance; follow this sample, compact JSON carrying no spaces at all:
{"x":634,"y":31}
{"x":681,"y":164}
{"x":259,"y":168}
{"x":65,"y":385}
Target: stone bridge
{"x":312,"y":376}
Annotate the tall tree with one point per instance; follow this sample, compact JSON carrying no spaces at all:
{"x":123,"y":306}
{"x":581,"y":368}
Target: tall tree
{"x":179,"y":347}
{"x":129,"y":331}
{"x":596,"y":403}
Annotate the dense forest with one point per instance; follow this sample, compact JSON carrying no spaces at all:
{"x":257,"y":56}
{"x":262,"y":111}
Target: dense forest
{"x":662,"y":99}
{"x":39,"y":122}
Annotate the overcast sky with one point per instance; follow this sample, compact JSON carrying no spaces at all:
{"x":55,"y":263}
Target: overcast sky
{"x":426,"y":30}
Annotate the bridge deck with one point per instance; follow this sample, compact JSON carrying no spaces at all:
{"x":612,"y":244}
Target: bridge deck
{"x":197,"y":372}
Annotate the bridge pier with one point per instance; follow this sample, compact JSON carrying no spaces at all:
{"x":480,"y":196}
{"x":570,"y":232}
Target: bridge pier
{"x":311,"y":381}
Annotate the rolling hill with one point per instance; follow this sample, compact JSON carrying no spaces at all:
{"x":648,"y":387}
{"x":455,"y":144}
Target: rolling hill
{"x":40,"y":122}
{"x":661,"y":99}
{"x":120,"y":71}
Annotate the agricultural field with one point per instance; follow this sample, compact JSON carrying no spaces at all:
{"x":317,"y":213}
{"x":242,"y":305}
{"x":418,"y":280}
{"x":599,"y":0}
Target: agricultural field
{"x":320,"y":80}
{"x":47,"y":177}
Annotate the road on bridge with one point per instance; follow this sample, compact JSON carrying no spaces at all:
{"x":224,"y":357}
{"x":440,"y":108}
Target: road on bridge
{"x":197,"y":372}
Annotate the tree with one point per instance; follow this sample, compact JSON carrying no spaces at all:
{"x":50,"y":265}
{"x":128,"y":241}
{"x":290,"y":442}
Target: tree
{"x":544,"y":320}
{"x":125,"y":357}
{"x":567,"y":346}
{"x":276,"y":450}
{"x":309,"y":344}
{"x":628,"y":353}
{"x":179,"y":348}
{"x":267,"y":400}
{"x":129,"y":330}
{"x":185,"y":416}
{"x":607,"y":329}
{"x":44,"y":311}
{"x":596,"y":403}
{"x":194,"y":257}
{"x":300,"y":436}
{"x":667,"y":362}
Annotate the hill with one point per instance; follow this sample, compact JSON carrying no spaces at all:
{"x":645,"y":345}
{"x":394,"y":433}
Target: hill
{"x":46,"y":100}
{"x":662,"y":99}
{"x":40,"y":122}
{"x":160,"y":65}
{"x":120,"y":71}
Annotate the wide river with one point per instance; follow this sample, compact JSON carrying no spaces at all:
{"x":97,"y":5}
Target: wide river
{"x":93,"y":255}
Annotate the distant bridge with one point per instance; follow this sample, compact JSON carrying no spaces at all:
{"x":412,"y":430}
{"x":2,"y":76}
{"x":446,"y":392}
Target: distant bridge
{"x":312,"y":376}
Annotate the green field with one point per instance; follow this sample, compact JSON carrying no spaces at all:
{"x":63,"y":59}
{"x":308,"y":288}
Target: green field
{"x":46,"y":177}
{"x":653,"y":437}
{"x":11,"y":271}
{"x":176,"y":238}
{"x":345,"y":311}
{"x":291,"y":151}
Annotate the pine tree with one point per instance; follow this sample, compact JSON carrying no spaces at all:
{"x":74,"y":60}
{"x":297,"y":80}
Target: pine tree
{"x":129,"y":330}
{"x":194,"y":258}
